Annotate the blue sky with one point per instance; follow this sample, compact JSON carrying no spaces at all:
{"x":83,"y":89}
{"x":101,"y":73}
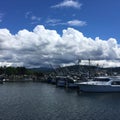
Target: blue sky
{"x":101,"y":16}
{"x":58,"y":31}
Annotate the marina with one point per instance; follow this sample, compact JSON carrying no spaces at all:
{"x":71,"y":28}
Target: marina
{"x":60,"y":94}
{"x":82,"y":78}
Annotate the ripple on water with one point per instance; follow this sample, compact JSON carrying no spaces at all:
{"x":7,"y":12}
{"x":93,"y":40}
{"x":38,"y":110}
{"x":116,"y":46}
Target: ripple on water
{"x":38,"y":101}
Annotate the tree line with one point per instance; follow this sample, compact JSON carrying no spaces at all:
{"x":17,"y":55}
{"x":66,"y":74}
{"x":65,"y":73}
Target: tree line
{"x":19,"y":71}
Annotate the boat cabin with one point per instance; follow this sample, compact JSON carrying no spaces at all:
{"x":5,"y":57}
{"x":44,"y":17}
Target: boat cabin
{"x":102,"y":79}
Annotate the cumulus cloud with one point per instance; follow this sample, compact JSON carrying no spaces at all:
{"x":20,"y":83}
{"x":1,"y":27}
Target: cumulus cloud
{"x":68,"y":3}
{"x":41,"y":47}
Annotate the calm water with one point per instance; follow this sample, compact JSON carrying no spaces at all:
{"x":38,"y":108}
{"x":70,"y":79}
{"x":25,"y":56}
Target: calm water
{"x":39,"y":101}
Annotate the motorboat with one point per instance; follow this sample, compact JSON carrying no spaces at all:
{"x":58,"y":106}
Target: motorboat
{"x":65,"y":81}
{"x":100,"y":84}
{"x":61,"y":81}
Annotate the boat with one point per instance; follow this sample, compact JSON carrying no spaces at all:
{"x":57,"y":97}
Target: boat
{"x":100,"y":84}
{"x":61,"y":81}
{"x":51,"y":79}
{"x":65,"y":81}
{"x":71,"y":82}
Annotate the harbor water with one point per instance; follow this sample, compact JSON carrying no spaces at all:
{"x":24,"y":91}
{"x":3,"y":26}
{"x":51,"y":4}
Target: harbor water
{"x":40,"y":101}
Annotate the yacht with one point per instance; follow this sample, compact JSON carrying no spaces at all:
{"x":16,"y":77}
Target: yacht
{"x":100,"y":84}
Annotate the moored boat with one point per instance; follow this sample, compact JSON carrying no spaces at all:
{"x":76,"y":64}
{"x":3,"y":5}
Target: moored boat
{"x":61,"y":81}
{"x":100,"y":84}
{"x":65,"y":81}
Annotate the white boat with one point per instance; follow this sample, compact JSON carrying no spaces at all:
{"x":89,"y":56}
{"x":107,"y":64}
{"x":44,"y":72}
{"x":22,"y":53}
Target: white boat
{"x":100,"y":84}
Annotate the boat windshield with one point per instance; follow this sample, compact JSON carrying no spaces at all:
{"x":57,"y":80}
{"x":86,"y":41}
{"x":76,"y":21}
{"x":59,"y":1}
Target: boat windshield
{"x":101,"y":79}
{"x":115,"y":83}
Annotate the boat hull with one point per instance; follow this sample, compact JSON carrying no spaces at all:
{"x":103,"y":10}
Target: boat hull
{"x":98,"y":88}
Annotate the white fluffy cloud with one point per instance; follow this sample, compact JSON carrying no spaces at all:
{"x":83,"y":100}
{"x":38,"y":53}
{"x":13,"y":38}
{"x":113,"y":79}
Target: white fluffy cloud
{"x":68,"y":3}
{"x":42,"y":47}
